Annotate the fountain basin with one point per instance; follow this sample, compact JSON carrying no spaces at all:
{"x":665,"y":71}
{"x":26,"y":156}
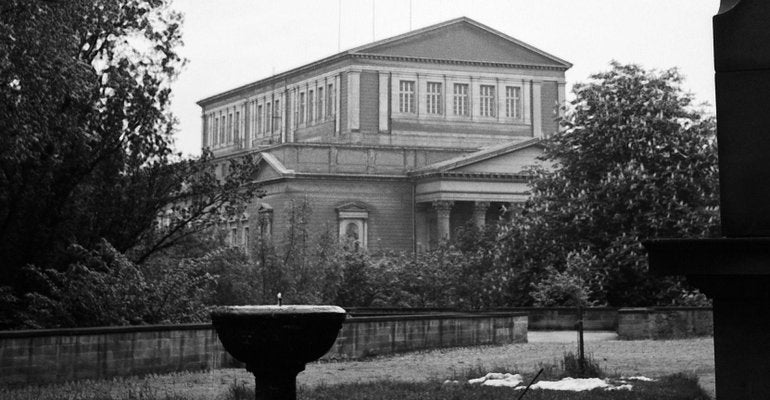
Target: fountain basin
{"x":275,"y":342}
{"x":267,"y":336}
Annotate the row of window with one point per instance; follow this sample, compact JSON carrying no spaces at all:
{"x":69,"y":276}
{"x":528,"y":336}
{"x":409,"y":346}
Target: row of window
{"x":434,"y":99}
{"x":223,"y":127}
{"x":265,"y":117}
{"x":314,"y":105}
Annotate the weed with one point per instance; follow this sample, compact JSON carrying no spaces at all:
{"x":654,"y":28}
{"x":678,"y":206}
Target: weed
{"x":572,"y":367}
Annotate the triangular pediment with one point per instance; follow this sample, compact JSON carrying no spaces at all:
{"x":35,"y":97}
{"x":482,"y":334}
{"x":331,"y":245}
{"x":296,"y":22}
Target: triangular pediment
{"x":515,"y":162}
{"x":463,"y":40}
{"x":505,"y":159}
{"x":270,"y":168}
{"x":352,"y":206}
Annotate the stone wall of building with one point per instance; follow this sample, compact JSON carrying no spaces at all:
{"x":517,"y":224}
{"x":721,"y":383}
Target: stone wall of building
{"x":389,"y":203}
{"x":370,"y":103}
{"x":549,"y":97}
{"x":664,"y":322}
{"x":59,"y":355}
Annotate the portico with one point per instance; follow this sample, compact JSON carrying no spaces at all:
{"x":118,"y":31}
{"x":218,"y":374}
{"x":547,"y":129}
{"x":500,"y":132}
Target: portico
{"x":481,"y":187}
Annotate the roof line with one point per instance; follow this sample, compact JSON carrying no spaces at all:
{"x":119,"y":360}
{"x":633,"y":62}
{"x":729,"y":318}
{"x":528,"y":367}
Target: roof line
{"x":358,"y":50}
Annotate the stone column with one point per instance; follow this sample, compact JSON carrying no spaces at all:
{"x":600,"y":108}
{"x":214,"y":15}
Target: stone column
{"x":513,"y":209}
{"x":537,"y":116}
{"x":480,"y":213}
{"x":443,"y":209}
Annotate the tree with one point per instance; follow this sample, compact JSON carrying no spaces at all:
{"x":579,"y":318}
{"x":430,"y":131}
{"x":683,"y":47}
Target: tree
{"x":86,"y":151}
{"x":634,"y":161}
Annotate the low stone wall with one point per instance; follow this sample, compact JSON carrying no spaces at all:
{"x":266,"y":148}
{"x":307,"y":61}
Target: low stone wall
{"x":540,"y":318}
{"x":369,"y":336}
{"x":58,"y":355}
{"x":565,"y":318}
{"x":664,"y":322}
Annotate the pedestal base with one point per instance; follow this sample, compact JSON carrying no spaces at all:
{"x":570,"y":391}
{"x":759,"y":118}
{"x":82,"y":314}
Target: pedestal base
{"x":742,"y":349}
{"x":278,"y":383}
{"x":735,"y":274}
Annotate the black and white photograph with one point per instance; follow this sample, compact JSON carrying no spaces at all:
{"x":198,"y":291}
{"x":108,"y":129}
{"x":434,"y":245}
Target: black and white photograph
{"x":384,"y":199}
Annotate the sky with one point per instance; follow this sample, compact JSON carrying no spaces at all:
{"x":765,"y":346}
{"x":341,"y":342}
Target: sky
{"x":229,"y":43}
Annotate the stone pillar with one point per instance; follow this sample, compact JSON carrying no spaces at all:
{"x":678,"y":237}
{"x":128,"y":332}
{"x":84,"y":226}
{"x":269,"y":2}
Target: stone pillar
{"x":443,"y":209}
{"x":513,"y":209}
{"x":354,"y":100}
{"x":480,"y":213}
{"x":537,"y":115}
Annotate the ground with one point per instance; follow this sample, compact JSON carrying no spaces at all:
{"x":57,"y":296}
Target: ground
{"x":641,"y":357}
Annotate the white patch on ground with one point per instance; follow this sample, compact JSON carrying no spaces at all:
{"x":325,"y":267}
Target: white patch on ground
{"x":572,"y":384}
{"x":497,"y":379}
{"x":639,"y":378}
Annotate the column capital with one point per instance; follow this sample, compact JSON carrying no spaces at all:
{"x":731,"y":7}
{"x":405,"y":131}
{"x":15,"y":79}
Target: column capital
{"x":443,"y":206}
{"x":480,"y":206}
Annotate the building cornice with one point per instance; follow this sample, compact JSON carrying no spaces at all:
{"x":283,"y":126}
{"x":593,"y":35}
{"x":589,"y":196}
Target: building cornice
{"x":475,"y":176}
{"x":427,"y":60}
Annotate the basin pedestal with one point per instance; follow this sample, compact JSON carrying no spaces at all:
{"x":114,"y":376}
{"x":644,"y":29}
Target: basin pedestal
{"x":733,"y":272}
{"x":275,"y":342}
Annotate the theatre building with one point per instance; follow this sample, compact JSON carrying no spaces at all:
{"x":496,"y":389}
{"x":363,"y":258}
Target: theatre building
{"x":395,"y":143}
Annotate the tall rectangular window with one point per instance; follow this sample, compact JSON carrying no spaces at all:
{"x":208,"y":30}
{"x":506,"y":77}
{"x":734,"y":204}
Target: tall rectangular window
{"x":236,"y":124}
{"x":310,"y":106}
{"x":268,"y":118}
{"x":229,"y":127}
{"x":302,"y":108}
{"x":222,"y":129}
{"x":513,"y":102}
{"x":487,"y":101}
{"x":434,"y":99}
{"x":260,"y":130}
{"x":406,"y":96}
{"x":330,"y":100}
{"x":460,"y":103}
{"x":215,"y":135}
{"x":209,"y":129}
{"x":320,"y":104}
{"x":277,"y":111}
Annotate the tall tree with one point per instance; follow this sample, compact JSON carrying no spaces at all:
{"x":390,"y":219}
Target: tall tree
{"x":86,"y":147}
{"x":634,"y":161}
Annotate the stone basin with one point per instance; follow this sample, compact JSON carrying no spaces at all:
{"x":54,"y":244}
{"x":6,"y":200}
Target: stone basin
{"x":275,"y":342}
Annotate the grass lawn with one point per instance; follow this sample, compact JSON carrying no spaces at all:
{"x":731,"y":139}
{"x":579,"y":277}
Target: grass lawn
{"x":674,"y":387}
{"x":654,"y":359}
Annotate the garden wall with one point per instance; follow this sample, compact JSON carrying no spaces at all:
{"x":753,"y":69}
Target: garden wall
{"x":540,"y":318}
{"x":565,"y":318}
{"x":664,"y":322}
{"x":58,"y":355}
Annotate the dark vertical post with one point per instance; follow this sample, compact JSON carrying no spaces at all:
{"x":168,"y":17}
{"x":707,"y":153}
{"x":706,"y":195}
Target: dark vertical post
{"x":581,"y":348}
{"x":734,"y":271}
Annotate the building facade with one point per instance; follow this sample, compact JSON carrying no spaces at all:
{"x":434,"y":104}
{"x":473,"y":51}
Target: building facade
{"x":395,"y":143}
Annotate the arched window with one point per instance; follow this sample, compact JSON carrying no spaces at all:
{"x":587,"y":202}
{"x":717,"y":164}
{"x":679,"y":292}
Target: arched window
{"x":353,"y":223}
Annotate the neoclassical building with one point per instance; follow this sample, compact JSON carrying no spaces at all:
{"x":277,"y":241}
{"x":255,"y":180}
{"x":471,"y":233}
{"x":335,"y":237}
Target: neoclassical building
{"x":395,"y":143}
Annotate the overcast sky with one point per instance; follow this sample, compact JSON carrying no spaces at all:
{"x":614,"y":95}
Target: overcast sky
{"x":233,"y":42}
